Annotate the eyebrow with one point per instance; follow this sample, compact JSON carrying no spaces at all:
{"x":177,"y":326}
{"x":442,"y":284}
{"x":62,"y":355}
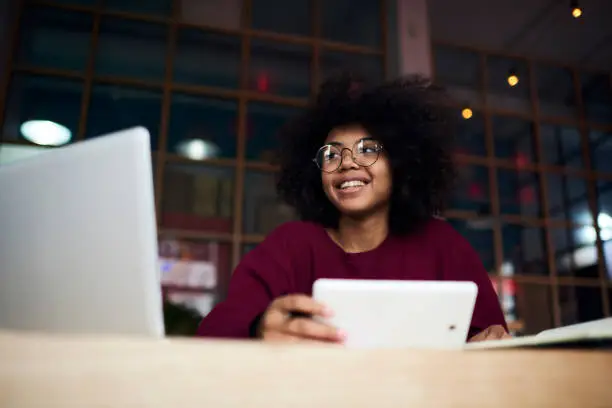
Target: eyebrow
{"x":334,"y":143}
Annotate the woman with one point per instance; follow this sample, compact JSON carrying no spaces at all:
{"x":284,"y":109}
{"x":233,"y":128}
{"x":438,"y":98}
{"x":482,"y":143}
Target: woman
{"x":366,"y":169}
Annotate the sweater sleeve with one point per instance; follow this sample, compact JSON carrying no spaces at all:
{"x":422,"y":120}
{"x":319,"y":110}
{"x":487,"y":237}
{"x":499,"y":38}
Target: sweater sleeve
{"x":462,"y":263}
{"x":263,"y":275}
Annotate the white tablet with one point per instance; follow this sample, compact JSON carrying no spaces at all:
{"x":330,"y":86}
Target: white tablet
{"x":399,"y":314}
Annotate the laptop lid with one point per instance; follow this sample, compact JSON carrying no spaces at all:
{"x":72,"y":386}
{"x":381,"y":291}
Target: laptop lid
{"x":78,"y":242}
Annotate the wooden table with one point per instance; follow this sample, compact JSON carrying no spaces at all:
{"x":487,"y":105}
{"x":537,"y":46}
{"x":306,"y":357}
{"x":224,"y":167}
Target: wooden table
{"x":63,"y":371}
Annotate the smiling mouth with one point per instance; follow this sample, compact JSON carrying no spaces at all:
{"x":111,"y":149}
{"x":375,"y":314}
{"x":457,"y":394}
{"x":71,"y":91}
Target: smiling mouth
{"x":350,"y":186}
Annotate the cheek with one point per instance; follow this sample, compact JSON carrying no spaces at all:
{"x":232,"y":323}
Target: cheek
{"x":383,"y":174}
{"x":326,"y":182}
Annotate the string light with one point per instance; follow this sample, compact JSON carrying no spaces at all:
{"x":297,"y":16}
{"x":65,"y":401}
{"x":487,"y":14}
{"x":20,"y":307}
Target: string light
{"x":513,"y":79}
{"x":466,"y":113}
{"x":576,"y":10}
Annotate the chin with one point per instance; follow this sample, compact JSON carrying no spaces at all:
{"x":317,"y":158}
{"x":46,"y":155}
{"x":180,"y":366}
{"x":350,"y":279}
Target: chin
{"x":356,"y":210}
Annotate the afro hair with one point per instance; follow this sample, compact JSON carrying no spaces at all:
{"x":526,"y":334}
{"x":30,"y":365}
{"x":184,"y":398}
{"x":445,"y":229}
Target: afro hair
{"x":408,"y":116}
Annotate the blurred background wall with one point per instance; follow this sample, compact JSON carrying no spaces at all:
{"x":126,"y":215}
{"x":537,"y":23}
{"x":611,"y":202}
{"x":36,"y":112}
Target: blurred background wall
{"x":213,"y":80}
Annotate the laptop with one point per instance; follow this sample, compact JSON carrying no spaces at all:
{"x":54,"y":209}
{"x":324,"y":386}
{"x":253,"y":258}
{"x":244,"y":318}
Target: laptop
{"x":78,"y":248}
{"x":399,"y":314}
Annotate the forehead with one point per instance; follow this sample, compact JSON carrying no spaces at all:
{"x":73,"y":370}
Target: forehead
{"x":346,"y":135}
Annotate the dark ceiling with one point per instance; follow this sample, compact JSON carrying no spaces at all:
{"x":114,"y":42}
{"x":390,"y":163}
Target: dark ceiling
{"x":537,"y":28}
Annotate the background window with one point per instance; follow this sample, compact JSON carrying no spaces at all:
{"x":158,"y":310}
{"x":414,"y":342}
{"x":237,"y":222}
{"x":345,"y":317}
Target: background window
{"x":214,"y":83}
{"x":37,"y":97}
{"x":53,"y":38}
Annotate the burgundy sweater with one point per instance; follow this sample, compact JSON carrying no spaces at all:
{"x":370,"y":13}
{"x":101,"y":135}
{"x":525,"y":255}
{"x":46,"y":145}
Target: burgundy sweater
{"x":293,"y":256}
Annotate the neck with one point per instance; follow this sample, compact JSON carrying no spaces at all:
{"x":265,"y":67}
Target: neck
{"x":361,"y":235}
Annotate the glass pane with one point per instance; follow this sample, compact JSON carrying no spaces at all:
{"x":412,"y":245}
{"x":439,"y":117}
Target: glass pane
{"x":369,"y":66}
{"x":556,"y":94}
{"x":194,"y":273}
{"x":118,"y":40}
{"x":115,"y":108}
{"x":223,"y":14}
{"x":53,"y":38}
{"x":247,"y":248}
{"x":561,"y":145}
{"x":77,"y":2}
{"x":524,"y":251}
{"x":604,"y":220}
{"x":202,"y":128}
{"x":601,"y":150}
{"x":607,"y":249}
{"x":568,"y":199}
{"x":518,"y":192}
{"x":481,"y":239}
{"x":198,"y":198}
{"x":189,"y":264}
{"x":352,"y":21}
{"x":528,"y":303}
{"x":470,"y":136}
{"x":500,"y":93}
{"x":264,"y":121}
{"x":575,"y":251}
{"x":472,"y":189}
{"x":263,"y":211}
{"x":514,"y":140}
{"x":459,"y":72}
{"x":193,"y":264}
{"x":580,"y":304}
{"x":42,"y":98}
{"x":604,"y":201}
{"x":206,"y":58}
{"x":154,"y":171}
{"x":151,"y":7}
{"x":280,"y":69}
{"x":597,"y":97}
{"x":281,"y":16}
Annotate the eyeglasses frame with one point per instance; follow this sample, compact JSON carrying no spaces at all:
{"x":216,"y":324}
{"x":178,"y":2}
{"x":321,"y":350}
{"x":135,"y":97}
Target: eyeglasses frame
{"x":380,"y":149}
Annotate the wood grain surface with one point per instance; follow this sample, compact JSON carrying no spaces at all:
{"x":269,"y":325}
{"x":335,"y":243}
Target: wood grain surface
{"x":68,"y":371}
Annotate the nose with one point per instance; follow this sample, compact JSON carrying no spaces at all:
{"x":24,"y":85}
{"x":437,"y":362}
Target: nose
{"x":347,"y":160}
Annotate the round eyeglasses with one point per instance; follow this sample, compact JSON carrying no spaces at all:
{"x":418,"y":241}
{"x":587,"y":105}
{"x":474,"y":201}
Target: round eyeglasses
{"x":364,"y":153}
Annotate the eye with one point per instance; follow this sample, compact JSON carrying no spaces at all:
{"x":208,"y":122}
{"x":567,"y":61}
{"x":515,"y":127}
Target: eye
{"x":368,"y":147}
{"x":329,"y":153}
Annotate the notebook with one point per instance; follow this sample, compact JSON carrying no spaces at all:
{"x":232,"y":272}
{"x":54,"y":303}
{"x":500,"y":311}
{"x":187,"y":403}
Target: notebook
{"x":596,"y":334}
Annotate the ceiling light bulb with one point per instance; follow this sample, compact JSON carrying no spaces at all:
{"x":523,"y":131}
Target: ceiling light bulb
{"x":198,"y":149}
{"x":45,"y":133}
{"x":466,"y":113}
{"x":576,"y":12}
{"x":513,"y":80}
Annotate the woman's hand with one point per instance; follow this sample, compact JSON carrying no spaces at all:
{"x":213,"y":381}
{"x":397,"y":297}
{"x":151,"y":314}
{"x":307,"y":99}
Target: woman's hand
{"x":292,"y":319}
{"x":496,"y":332}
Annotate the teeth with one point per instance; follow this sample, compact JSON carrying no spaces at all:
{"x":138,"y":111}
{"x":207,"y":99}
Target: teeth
{"x":352,"y":183}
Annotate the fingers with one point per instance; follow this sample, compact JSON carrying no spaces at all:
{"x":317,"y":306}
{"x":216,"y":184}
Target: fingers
{"x":477,"y":337}
{"x":302,"y":304}
{"x":496,"y":332}
{"x":312,"y":329}
{"x":280,"y":337}
{"x":280,"y":324}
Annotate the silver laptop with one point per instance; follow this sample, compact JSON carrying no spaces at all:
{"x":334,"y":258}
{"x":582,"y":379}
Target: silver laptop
{"x":78,"y":240}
